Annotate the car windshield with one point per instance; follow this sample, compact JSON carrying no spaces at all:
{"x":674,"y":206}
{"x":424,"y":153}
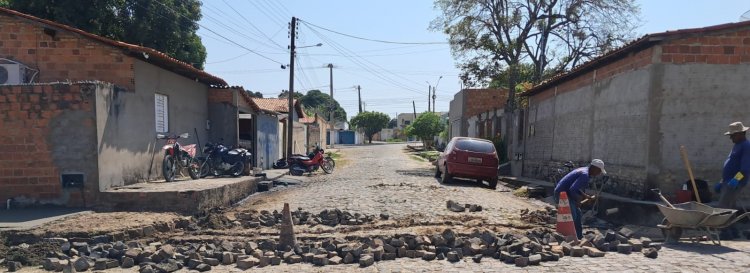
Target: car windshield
{"x":475,"y":146}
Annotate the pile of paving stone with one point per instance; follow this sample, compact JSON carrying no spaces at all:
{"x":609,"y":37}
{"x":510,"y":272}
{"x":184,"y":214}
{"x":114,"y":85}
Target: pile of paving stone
{"x":537,"y":246}
{"x":458,"y":207}
{"x":546,"y":216}
{"x":332,"y":217}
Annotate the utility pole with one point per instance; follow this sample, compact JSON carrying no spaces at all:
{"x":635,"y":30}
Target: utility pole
{"x":429,"y":89}
{"x":359,"y":98}
{"x":433,"y":101}
{"x":333,"y":105}
{"x":290,"y":117}
{"x":415,"y":109}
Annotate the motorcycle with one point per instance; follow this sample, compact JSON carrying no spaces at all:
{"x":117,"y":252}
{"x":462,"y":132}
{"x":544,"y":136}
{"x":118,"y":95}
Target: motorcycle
{"x":220,"y":160}
{"x":178,"y":157}
{"x":299,"y":164}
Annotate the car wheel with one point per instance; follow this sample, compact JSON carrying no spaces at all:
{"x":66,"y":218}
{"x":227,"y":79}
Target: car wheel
{"x":446,"y":178}
{"x":493,"y":183}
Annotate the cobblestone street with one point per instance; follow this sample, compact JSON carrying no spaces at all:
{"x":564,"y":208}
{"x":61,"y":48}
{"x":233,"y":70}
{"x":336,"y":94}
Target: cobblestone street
{"x":383,"y":179}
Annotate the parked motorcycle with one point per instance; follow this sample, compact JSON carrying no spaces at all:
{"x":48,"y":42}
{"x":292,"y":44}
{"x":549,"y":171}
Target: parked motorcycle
{"x":178,"y":157}
{"x":298,"y":164}
{"x":220,"y":160}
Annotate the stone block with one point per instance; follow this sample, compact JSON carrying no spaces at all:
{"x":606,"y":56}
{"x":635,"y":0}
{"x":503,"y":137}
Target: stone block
{"x":535,"y":259}
{"x":577,"y":251}
{"x":127,"y":262}
{"x":335,"y":260}
{"x":247,"y":263}
{"x":593,"y":252}
{"x":650,"y":252}
{"x":203,"y":268}
{"x":320,"y":260}
{"x":366,"y":260}
{"x":211,"y":261}
{"x":624,"y":248}
{"x":429,"y":256}
{"x":522,"y":261}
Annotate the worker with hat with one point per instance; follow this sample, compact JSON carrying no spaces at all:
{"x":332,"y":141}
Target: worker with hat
{"x":575,"y":184}
{"x":736,"y":168}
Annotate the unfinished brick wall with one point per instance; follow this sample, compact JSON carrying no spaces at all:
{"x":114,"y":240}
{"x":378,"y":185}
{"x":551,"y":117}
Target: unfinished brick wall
{"x":731,"y":47}
{"x":221,"y":95}
{"x":35,"y":122}
{"x":483,"y":100}
{"x":62,"y":55}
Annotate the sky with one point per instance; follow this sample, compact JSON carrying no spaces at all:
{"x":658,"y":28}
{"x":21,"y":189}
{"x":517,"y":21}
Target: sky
{"x":247,"y":41}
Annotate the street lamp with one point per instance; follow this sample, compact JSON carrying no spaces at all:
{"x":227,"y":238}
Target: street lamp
{"x":434,"y":91}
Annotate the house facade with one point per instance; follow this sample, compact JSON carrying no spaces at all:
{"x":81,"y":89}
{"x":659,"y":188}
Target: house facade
{"x":635,"y":106}
{"x":477,"y":112}
{"x":85,"y":111}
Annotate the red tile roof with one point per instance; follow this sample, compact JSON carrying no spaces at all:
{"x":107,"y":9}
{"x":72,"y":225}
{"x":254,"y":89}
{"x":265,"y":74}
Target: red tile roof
{"x":154,"y":57}
{"x":280,"y":105}
{"x":644,"y":42}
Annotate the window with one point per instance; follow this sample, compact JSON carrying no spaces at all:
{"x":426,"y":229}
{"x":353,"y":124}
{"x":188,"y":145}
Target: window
{"x":161,"y":106}
{"x":407,"y":122}
{"x":475,"y":146}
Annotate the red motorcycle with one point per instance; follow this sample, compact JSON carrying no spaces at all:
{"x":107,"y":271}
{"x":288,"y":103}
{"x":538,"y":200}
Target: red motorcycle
{"x":178,"y":157}
{"x":299,"y":164}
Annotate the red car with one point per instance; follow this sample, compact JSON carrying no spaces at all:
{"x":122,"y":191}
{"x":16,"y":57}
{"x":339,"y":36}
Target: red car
{"x":468,"y":157}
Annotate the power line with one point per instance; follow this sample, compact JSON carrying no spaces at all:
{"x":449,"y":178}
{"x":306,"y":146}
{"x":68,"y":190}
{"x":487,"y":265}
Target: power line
{"x":214,"y":32}
{"x":371,"y":40}
{"x":252,"y":25}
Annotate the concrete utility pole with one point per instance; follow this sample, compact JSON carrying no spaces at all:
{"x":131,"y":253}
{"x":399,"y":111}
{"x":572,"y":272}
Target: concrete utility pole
{"x":290,"y":117}
{"x":359,"y":98}
{"x":429,"y":89}
{"x":434,"y":92}
{"x":413,"y":105}
{"x":333,"y":106}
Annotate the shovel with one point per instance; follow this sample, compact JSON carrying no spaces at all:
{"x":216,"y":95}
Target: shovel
{"x":658,"y":192}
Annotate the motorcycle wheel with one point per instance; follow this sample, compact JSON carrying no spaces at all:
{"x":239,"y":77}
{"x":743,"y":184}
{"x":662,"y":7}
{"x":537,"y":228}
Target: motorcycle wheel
{"x":168,"y":168}
{"x":296,"y":170}
{"x":327,"y":167}
{"x":205,"y":169}
{"x":237,"y":169}
{"x":329,"y":159}
{"x":194,"y":168}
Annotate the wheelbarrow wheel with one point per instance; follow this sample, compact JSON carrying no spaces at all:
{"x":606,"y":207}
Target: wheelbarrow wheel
{"x":671,"y":234}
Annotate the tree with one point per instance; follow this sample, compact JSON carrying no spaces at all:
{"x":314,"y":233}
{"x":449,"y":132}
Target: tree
{"x":168,"y":26}
{"x":255,"y":94}
{"x":426,"y":127}
{"x":320,"y":103}
{"x":393,"y":123}
{"x":370,"y":122}
{"x":285,"y":93}
{"x":488,"y":37}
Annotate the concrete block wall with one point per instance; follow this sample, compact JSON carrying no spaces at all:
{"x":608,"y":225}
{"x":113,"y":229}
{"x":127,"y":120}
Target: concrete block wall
{"x":47,"y":130}
{"x":223,"y":114}
{"x":63,"y":56}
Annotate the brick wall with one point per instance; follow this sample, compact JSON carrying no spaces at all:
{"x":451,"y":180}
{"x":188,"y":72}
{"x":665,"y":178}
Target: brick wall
{"x":34,"y":120}
{"x":720,"y":48}
{"x":64,"y":56}
{"x":221,"y":95}
{"x":482,"y":100}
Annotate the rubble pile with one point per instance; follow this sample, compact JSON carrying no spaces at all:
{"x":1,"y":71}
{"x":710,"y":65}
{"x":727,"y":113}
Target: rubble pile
{"x":536,"y":246}
{"x":546,"y":216}
{"x":458,"y":207}
{"x":332,"y":217}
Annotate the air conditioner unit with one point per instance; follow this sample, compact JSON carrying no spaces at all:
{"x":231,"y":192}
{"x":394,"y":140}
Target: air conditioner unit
{"x":11,"y":73}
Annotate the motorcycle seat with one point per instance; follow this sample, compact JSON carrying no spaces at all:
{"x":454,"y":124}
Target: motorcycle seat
{"x":303,"y":158}
{"x":233,"y":152}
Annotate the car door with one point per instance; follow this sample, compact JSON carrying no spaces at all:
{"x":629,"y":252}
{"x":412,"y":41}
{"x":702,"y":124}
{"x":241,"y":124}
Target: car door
{"x":444,"y":154}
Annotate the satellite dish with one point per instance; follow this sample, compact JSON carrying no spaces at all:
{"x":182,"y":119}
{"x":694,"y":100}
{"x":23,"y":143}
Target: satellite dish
{"x":745,"y":16}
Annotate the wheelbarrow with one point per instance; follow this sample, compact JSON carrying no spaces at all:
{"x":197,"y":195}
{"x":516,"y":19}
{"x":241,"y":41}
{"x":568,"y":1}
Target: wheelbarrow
{"x":697,"y":216}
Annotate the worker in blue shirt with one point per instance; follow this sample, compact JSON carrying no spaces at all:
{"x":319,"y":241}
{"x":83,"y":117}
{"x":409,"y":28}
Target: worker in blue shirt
{"x":736,"y":167}
{"x":574,"y":184}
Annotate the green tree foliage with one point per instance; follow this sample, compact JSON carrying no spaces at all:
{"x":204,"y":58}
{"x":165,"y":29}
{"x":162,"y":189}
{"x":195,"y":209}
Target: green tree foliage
{"x":168,"y":26}
{"x":370,"y":122}
{"x":285,"y":94}
{"x":489,"y":36}
{"x":320,"y":103}
{"x":255,"y":94}
{"x":426,"y":127}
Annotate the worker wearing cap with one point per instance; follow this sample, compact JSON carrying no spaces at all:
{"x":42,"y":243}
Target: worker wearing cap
{"x":736,"y":167}
{"x":575,"y":184}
